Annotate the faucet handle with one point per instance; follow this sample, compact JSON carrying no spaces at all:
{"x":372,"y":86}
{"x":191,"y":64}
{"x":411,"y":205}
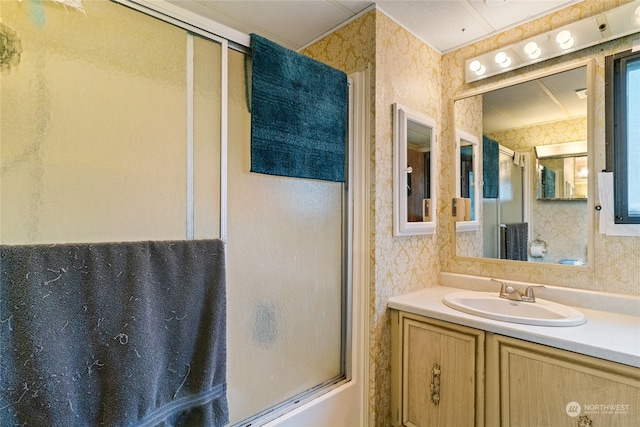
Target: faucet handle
{"x":503,"y":286}
{"x":528,"y":293}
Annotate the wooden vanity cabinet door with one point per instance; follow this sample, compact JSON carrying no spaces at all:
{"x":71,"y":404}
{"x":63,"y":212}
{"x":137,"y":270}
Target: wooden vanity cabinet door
{"x":441,"y":375}
{"x":544,"y":386}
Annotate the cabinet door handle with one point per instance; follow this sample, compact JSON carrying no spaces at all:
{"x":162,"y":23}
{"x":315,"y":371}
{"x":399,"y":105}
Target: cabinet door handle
{"x":584,"y":421}
{"x":435,"y":384}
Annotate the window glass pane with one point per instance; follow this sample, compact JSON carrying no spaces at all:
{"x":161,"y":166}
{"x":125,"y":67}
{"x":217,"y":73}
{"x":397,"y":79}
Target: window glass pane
{"x":633,"y":137}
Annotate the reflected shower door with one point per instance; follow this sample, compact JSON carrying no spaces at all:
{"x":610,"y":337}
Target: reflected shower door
{"x":508,"y":208}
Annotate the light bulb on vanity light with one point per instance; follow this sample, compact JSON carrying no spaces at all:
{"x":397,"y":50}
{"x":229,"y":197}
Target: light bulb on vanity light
{"x":532,"y":50}
{"x":564,"y":39}
{"x":477,"y":67}
{"x":503,"y":59}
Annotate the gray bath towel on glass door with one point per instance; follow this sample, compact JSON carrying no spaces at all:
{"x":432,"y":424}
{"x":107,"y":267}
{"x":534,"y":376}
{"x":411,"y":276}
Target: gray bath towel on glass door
{"x":122,"y":334}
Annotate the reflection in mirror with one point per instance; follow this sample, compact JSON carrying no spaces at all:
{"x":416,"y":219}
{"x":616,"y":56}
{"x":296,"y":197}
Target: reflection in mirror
{"x":467,"y":193}
{"x":418,"y":165}
{"x":505,"y":202}
{"x":413,"y":142}
{"x":514,"y":124}
{"x":562,"y":171}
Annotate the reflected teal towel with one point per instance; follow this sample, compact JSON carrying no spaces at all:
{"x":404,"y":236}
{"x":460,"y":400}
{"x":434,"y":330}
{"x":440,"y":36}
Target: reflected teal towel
{"x":298,"y":114}
{"x":548,"y":183}
{"x":490,"y":168}
{"x":114,"y":334}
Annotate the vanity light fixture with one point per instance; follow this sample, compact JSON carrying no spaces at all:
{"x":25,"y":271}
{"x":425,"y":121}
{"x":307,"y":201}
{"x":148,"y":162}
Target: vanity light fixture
{"x":612,"y":24}
{"x":566,"y":149}
{"x":583,"y":173}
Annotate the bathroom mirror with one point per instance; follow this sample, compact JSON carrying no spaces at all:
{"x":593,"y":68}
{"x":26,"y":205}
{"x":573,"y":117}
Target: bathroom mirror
{"x":513,"y":124}
{"x":414,"y":202}
{"x":467,"y":193}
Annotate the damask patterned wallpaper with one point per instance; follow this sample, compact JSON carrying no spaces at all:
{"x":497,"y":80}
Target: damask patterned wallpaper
{"x":404,"y":69}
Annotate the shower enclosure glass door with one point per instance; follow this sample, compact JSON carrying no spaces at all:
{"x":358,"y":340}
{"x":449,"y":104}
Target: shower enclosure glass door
{"x":285,"y":275}
{"x":112,"y":130}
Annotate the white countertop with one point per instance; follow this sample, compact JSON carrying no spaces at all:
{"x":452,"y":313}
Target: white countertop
{"x":606,"y":335}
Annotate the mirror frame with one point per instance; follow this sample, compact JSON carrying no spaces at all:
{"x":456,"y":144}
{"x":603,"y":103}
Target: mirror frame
{"x":475,"y":143}
{"x":506,"y":81}
{"x":401,"y":226}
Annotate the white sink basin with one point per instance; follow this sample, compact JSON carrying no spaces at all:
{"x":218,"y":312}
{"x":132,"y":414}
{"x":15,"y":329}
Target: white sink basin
{"x":491,"y":306}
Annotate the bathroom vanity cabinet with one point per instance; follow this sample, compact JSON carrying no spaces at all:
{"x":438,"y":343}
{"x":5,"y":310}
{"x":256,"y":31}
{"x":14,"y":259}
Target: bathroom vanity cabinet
{"x":534,"y":385}
{"x":437,"y":373}
{"x":452,"y":375}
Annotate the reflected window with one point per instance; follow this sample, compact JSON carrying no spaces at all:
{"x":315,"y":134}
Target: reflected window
{"x":623,"y":133}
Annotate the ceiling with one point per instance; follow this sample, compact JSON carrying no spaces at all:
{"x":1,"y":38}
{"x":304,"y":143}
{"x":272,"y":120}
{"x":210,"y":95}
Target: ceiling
{"x":443,"y":24}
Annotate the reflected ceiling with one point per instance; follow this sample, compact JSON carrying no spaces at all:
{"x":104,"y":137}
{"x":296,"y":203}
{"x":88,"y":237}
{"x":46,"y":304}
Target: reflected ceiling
{"x":553,"y":98}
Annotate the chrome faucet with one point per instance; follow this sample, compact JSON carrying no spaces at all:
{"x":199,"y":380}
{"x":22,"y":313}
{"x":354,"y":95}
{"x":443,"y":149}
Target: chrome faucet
{"x":513,"y":294}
